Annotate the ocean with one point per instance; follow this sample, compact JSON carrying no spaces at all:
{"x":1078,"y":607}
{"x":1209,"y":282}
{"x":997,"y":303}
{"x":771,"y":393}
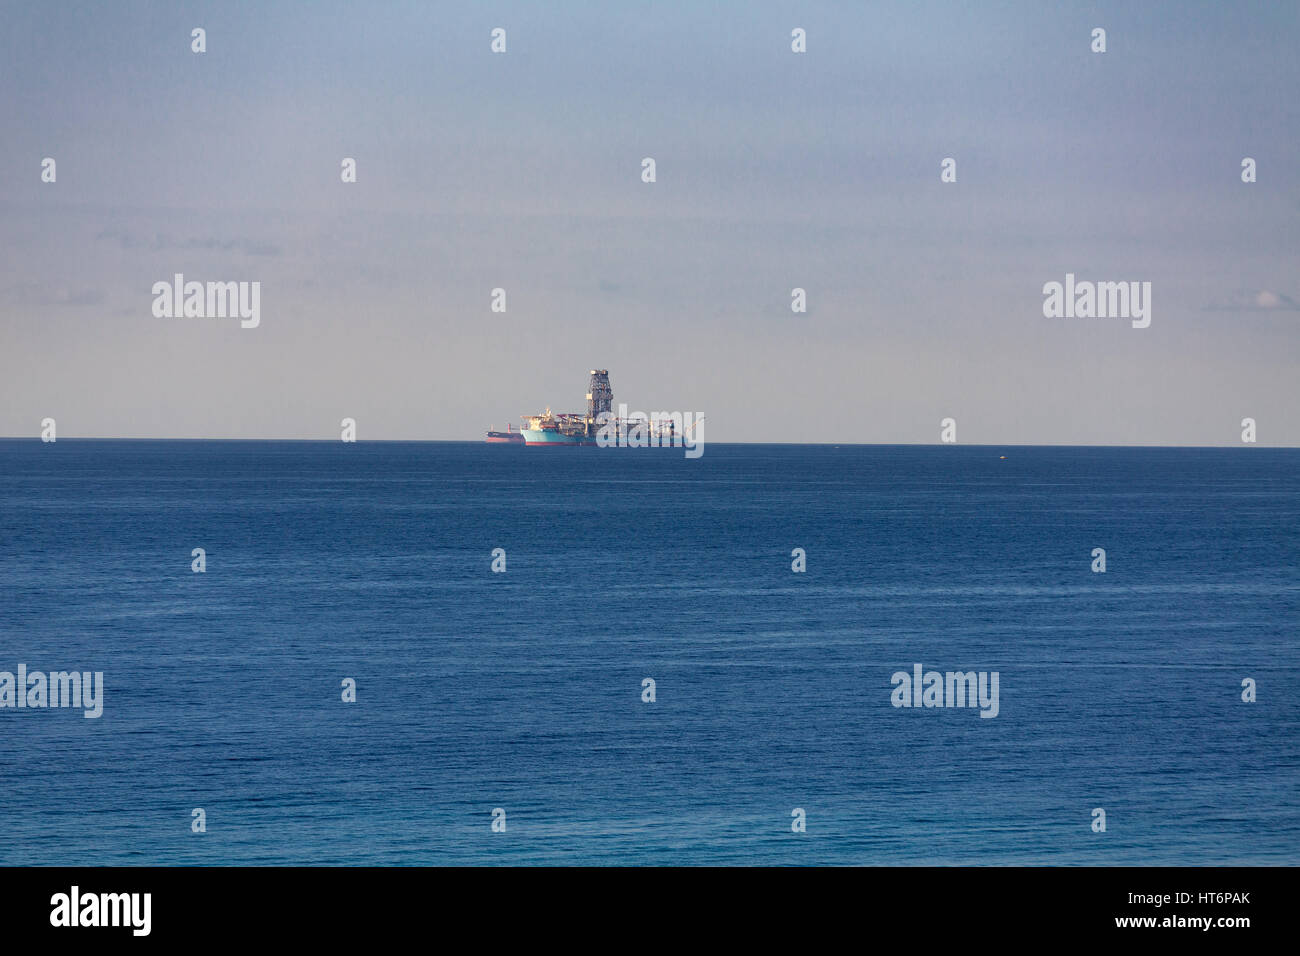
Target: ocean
{"x":522,"y":690}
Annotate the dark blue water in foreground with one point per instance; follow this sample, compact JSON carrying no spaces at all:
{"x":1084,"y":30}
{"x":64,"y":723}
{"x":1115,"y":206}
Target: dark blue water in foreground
{"x":522,"y":690}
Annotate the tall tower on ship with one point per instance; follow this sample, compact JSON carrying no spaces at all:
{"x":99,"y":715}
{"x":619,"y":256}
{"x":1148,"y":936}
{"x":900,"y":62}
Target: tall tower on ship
{"x":600,"y":398}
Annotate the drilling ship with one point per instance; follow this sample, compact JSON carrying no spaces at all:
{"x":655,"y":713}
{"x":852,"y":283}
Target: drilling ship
{"x":572,"y":428}
{"x":601,"y":426}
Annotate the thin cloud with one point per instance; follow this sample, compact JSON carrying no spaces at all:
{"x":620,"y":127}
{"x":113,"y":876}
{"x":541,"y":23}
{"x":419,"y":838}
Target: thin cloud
{"x":1255,"y":300}
{"x":29,"y":294}
{"x":161,"y":241}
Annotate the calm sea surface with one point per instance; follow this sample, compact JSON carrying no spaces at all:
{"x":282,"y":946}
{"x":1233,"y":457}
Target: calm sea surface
{"x":522,"y":690}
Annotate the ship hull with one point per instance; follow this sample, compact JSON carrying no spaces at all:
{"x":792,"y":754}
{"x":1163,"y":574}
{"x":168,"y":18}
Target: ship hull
{"x":504,"y":438}
{"x":534,"y":436}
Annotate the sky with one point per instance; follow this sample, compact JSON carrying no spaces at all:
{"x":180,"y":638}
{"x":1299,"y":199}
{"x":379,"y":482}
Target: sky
{"x":775,"y":170}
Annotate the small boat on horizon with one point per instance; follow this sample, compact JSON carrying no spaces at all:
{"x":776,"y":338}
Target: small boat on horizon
{"x":507,"y":437}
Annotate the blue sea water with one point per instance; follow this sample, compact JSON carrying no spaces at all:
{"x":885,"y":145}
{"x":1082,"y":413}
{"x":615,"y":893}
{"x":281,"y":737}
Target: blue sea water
{"x":522,"y":690}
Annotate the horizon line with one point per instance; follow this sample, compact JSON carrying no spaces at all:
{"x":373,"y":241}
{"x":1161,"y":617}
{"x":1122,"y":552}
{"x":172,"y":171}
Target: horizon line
{"x":479,"y":441}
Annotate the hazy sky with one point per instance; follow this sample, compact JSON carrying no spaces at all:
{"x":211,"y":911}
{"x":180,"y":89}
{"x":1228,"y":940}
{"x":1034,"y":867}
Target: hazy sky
{"x":775,"y":170}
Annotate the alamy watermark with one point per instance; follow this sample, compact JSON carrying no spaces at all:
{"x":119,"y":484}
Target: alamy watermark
{"x":656,"y":430}
{"x":36,"y":689}
{"x":1098,"y":300}
{"x":923,"y":688}
{"x":75,"y":908}
{"x":213,"y":300}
